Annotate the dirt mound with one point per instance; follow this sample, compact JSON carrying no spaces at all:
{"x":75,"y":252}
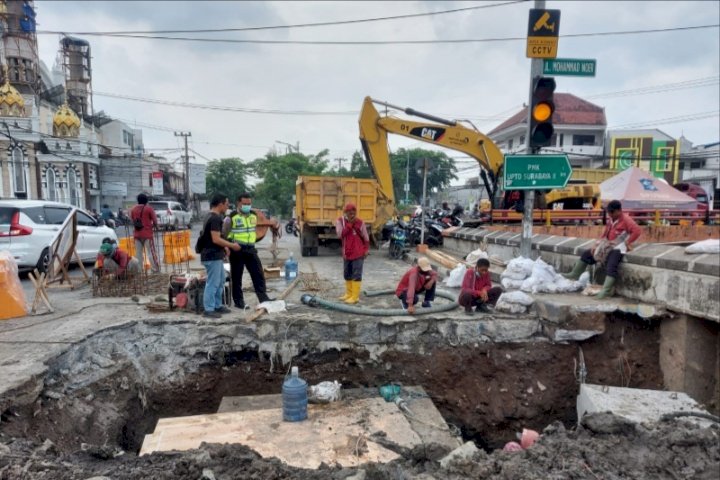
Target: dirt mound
{"x":603,"y":447}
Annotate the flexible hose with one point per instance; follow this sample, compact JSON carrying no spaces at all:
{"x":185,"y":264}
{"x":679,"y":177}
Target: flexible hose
{"x":707,"y":416}
{"x":315,"y":301}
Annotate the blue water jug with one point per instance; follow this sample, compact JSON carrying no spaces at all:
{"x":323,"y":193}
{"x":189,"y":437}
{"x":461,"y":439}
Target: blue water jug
{"x":294,"y":398}
{"x":291,"y":269}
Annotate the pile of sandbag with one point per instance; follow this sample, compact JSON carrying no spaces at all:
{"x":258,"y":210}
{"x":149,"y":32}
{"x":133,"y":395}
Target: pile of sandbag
{"x":711,"y":245}
{"x":536,"y":276}
{"x":514,"y":302}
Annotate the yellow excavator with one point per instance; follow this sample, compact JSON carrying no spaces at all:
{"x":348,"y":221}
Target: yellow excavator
{"x":452,"y":134}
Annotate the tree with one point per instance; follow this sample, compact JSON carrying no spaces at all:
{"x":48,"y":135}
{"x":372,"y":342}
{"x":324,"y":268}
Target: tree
{"x":439,"y":176}
{"x":227,"y":176}
{"x":278,"y":174}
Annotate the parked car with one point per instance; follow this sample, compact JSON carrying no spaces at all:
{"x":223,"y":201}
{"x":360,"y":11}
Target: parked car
{"x":171,"y":215}
{"x":28,"y":227}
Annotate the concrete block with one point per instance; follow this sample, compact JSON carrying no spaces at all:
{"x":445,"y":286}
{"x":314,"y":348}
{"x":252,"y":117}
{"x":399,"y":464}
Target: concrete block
{"x":646,"y":255}
{"x":635,"y":404}
{"x":464,"y":452}
{"x":707,"y":265}
{"x":675,"y":260}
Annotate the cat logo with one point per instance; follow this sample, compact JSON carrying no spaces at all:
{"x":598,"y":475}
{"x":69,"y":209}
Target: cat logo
{"x":428,"y":133}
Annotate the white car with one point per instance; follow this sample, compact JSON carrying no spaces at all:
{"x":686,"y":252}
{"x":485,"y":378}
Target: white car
{"x":171,"y":215}
{"x":28,"y":227}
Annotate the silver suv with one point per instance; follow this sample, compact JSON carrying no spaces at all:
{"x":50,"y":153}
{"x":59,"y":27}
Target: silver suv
{"x":171,"y":215}
{"x":28,"y":227}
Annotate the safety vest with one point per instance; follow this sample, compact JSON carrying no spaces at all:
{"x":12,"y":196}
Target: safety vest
{"x":242,"y":230}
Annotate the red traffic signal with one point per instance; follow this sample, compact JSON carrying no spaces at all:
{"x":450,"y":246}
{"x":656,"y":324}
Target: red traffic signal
{"x":542,"y":108}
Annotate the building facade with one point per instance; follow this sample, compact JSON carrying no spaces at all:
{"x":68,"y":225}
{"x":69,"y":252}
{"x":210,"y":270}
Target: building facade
{"x":652,"y":150}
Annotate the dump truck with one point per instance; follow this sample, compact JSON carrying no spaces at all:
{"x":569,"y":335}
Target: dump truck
{"x":319,"y":202}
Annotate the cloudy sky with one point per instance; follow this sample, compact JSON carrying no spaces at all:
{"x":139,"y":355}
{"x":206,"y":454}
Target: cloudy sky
{"x":483,"y":81}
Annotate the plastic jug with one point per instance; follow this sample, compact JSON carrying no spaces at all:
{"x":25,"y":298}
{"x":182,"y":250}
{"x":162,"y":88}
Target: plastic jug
{"x":291,"y":269}
{"x":294,"y":398}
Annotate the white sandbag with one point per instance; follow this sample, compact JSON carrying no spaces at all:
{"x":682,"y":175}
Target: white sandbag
{"x":711,"y":245}
{"x":324,"y":392}
{"x":584,"y":279}
{"x":476,"y":255}
{"x":510,"y":307}
{"x":510,"y":284}
{"x":543,"y":272}
{"x":456,"y":276}
{"x":519,"y":268}
{"x":519,"y":298}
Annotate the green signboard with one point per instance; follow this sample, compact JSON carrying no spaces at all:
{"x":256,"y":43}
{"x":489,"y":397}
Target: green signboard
{"x":536,"y":172}
{"x":575,"y":67}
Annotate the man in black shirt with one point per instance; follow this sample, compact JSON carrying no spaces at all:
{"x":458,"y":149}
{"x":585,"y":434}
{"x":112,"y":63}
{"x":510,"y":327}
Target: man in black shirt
{"x":214,"y":249}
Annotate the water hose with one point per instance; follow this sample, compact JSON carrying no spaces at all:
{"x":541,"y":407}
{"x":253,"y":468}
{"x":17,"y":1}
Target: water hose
{"x":315,"y":301}
{"x":705,"y":415}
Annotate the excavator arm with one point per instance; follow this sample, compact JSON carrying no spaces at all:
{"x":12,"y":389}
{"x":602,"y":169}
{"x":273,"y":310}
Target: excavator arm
{"x":450,"y":134}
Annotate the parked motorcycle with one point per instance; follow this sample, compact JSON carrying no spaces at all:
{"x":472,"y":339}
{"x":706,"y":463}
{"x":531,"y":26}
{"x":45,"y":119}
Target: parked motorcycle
{"x":291,"y":227}
{"x":398,"y":240}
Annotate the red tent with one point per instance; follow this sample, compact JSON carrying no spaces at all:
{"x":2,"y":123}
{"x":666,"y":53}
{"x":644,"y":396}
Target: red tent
{"x":637,"y":189}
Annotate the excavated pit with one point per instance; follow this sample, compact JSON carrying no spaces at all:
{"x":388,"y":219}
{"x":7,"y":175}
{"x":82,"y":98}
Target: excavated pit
{"x":111,"y":389}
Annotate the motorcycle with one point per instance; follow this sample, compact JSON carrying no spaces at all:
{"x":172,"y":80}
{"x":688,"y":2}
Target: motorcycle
{"x":291,"y":227}
{"x":398,"y":239}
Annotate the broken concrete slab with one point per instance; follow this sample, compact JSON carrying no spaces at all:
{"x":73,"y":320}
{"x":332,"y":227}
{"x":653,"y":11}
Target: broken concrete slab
{"x":463,"y":453}
{"x":634,"y":404}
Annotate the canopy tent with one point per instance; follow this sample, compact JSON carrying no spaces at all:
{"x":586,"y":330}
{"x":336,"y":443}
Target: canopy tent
{"x":637,"y":189}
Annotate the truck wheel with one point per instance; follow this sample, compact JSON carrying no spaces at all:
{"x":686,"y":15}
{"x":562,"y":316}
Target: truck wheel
{"x":305,"y":251}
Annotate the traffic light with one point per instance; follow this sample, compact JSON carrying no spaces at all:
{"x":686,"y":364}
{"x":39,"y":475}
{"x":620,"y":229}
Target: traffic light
{"x":541,"y":127}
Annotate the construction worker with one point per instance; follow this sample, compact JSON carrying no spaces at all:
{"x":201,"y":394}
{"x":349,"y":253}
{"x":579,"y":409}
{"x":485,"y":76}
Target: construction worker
{"x":145,"y":222}
{"x":477,"y":290}
{"x":419,"y":279}
{"x":619,"y":236}
{"x":112,"y":260}
{"x":242,"y":232}
{"x":355,"y":242}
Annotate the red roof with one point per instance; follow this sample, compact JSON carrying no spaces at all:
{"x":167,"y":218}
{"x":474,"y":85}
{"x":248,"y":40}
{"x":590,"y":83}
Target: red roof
{"x":569,"y":110}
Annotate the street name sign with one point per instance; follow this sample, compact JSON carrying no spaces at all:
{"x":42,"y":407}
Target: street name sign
{"x":543,"y":32}
{"x":536,"y":172}
{"x":574,"y":67}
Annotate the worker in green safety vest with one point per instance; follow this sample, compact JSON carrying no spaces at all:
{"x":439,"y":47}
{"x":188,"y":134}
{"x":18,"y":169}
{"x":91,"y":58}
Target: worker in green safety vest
{"x":242,"y":232}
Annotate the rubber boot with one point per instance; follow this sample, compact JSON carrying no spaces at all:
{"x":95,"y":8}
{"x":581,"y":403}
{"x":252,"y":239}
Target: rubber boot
{"x":355,"y":289}
{"x":577,"y":270}
{"x":348,"y":291}
{"x":608,"y":289}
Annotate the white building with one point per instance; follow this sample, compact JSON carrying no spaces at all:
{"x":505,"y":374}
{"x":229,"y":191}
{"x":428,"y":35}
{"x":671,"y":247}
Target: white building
{"x":701,"y":165}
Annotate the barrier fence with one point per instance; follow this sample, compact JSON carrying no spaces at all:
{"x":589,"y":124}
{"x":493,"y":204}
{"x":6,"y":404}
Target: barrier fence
{"x":550,"y":217}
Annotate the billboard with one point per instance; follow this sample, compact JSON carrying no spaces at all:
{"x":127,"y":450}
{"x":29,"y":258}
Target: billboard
{"x":197,"y":178}
{"x":658,"y":157}
{"x":157,"y":183}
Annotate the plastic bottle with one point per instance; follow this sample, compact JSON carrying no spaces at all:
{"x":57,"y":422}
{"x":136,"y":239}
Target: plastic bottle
{"x":291,"y":269}
{"x":294,"y":398}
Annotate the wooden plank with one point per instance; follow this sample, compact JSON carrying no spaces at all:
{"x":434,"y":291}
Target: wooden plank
{"x":258,"y":313}
{"x":333,"y":433}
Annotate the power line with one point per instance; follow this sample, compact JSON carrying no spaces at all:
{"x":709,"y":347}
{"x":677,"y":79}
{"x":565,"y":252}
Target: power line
{"x":403,"y":42}
{"x":670,"y":120}
{"x":288,"y":26}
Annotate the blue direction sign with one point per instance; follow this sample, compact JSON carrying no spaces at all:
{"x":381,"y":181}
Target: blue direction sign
{"x":536,"y":172}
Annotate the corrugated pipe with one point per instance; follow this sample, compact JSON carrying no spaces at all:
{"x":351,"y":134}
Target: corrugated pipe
{"x":315,"y":301}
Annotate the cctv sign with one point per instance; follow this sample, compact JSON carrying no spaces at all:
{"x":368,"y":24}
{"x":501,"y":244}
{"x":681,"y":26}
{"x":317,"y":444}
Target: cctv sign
{"x":543,"y":32}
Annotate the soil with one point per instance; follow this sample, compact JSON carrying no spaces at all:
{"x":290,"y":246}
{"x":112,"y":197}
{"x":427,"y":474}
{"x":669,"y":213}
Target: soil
{"x":488,"y":392}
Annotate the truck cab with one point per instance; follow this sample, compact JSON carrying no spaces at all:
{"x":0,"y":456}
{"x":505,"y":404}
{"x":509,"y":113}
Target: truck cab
{"x":695,"y":191}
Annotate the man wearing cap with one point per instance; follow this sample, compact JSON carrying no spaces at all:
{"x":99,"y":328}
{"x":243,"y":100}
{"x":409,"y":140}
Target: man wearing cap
{"x":419,"y":279}
{"x":355,"y":242}
{"x":113,"y":260}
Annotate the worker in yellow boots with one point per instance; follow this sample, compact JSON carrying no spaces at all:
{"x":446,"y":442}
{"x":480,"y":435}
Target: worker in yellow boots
{"x":355,"y":242}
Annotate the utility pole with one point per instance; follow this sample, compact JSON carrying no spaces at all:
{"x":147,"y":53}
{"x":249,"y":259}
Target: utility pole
{"x":424,"y":192}
{"x":536,"y":69}
{"x":186,"y":186}
{"x":407,"y":177}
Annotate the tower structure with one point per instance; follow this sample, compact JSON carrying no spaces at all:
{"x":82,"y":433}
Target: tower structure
{"x":75,"y":54}
{"x":19,"y":45}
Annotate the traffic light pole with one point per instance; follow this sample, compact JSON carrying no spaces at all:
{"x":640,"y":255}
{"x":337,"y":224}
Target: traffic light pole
{"x":536,"y":70}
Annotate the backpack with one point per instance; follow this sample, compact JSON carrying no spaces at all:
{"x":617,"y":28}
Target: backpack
{"x":137,"y":223}
{"x":200,"y":242}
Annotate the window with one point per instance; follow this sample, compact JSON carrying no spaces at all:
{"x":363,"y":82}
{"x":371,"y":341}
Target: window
{"x":694,"y":165}
{"x":664,"y":161}
{"x":522,"y":140}
{"x":128,"y":138}
{"x":18,"y":171}
{"x":56,"y":215}
{"x":36,"y":214}
{"x":51,"y":182}
{"x":510,"y":144}
{"x":73,"y":187}
{"x":85,"y":220}
{"x":583,"y":140}
{"x":562,"y":140}
{"x":553,"y":140}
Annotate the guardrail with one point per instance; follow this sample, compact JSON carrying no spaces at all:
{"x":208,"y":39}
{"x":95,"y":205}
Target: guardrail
{"x":597,"y":217}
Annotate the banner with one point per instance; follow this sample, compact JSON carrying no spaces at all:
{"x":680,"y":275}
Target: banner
{"x":157,"y":183}
{"x":197,"y":178}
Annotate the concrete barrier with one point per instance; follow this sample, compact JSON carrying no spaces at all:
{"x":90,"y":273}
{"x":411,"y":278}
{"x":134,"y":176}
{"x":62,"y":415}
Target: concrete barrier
{"x":651,"y":273}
